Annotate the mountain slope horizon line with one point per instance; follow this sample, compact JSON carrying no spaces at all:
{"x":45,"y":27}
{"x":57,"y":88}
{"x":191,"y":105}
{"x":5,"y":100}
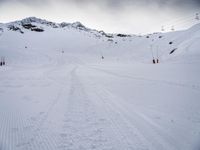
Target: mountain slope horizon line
{"x":77,"y":25}
{"x":27,"y":24}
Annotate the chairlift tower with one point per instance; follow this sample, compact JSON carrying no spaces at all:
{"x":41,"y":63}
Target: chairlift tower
{"x":172,"y":28}
{"x":162,"y":29}
{"x":197,"y":17}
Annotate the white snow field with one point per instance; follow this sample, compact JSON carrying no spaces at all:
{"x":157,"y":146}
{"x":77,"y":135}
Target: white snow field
{"x":57,"y":93}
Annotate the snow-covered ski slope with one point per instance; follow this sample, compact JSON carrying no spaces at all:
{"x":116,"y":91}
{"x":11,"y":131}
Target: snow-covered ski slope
{"x":57,"y":93}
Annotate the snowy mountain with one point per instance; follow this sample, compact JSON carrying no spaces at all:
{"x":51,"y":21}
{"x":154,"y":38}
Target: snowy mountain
{"x":62,"y":36}
{"x":35,"y":24}
{"x":65,"y":86}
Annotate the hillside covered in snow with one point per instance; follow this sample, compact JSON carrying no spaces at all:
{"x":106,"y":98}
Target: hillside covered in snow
{"x":66,"y":86}
{"x":36,"y":34}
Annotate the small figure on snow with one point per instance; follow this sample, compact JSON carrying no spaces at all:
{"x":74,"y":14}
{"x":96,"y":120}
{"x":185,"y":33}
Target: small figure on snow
{"x":154,"y":61}
{"x":4,"y":62}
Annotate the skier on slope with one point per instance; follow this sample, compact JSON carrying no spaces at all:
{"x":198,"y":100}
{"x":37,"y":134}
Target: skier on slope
{"x":154,"y":61}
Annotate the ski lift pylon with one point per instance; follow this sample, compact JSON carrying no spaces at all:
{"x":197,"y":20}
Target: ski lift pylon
{"x":172,"y":28}
{"x":162,"y":28}
{"x":197,"y":16}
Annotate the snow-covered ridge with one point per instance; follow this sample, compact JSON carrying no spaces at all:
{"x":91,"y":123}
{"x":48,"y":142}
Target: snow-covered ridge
{"x":32,"y":23}
{"x":36,"y":33}
{"x":37,"y":24}
{"x":30,"y":20}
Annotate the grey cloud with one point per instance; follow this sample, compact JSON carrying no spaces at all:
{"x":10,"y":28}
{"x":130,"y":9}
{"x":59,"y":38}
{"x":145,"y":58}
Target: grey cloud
{"x":103,"y":14}
{"x":26,"y":2}
{"x":114,"y":3}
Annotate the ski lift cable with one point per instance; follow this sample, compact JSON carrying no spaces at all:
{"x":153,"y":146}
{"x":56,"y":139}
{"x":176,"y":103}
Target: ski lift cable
{"x":186,"y":22}
{"x":189,"y":20}
{"x":175,"y":21}
{"x":166,"y":25}
{"x":180,"y":21}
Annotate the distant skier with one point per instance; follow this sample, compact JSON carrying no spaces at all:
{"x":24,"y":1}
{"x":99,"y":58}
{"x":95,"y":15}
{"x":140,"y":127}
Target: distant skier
{"x":1,"y":63}
{"x":102,"y":57}
{"x":157,"y":61}
{"x":154,"y":61}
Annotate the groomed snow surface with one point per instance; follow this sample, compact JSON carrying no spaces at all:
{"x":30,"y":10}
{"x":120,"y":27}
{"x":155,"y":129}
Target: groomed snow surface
{"x":57,"y":93}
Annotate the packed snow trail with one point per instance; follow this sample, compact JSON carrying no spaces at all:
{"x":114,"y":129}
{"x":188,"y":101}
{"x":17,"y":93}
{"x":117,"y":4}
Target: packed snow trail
{"x":134,"y":114}
{"x":72,"y":105}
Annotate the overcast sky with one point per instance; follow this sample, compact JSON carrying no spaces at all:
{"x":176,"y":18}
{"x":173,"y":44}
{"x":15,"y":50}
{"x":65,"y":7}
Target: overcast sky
{"x":114,"y":16}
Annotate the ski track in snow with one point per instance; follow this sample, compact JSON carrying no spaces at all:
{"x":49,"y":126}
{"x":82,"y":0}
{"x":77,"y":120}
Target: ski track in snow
{"x":141,"y":131}
{"x":81,"y":116}
{"x":133,"y":129}
{"x":157,"y":82}
{"x":82,"y":126}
